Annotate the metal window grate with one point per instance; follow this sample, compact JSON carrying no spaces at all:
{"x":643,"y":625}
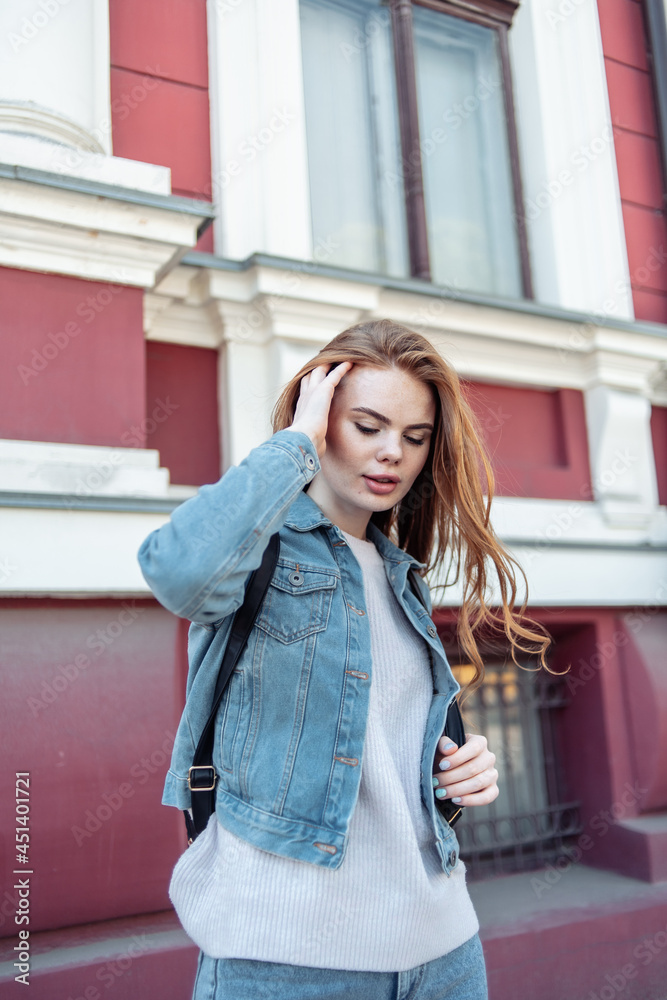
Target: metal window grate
{"x":529,"y":824}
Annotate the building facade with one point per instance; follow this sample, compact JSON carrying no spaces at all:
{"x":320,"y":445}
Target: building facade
{"x":195,"y":197}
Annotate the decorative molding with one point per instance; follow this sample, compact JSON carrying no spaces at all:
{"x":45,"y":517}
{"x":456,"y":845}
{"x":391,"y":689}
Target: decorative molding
{"x":25,"y":117}
{"x":264,"y":301}
{"x":89,"y":230}
{"x":494,"y":11}
{"x":271,"y":319}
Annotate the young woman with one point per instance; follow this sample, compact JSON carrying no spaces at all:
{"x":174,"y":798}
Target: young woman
{"x":328,"y":869}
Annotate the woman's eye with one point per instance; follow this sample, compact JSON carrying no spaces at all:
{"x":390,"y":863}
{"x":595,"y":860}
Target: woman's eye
{"x":415,"y":440}
{"x":366,"y":430}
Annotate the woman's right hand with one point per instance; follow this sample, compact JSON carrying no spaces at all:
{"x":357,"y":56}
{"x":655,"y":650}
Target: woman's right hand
{"x":312,"y":409}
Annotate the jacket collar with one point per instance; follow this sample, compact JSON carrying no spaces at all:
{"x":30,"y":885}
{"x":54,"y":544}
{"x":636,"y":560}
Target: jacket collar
{"x":304,"y":515}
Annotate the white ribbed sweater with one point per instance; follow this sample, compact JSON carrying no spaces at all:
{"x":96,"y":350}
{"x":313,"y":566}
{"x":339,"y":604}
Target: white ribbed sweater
{"x":390,"y":906}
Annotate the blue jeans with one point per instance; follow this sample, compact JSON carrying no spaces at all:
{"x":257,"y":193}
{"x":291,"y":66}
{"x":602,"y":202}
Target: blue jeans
{"x":460,"y":975}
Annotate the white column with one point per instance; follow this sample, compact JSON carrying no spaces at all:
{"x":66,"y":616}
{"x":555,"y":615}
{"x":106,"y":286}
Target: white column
{"x":621,"y":454}
{"x":54,"y":71}
{"x":571,"y":192}
{"x":258,"y":135}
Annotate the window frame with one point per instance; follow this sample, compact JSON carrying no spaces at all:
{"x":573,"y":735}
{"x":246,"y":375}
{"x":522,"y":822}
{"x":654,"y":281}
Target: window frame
{"x":495,"y":14}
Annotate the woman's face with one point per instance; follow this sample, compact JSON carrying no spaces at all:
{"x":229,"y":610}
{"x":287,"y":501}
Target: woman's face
{"x":380,"y":426}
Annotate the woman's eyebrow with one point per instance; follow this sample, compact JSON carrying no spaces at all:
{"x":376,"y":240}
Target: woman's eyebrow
{"x":386,"y":420}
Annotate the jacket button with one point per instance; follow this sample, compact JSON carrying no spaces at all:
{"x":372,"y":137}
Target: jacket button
{"x":452,"y":858}
{"x":296,"y":579}
{"x":310,"y":462}
{"x":432,"y":630}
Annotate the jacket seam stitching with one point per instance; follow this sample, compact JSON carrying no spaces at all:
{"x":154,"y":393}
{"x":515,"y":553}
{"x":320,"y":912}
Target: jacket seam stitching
{"x":241,"y":552}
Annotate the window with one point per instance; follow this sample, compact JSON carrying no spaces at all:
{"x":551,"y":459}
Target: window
{"x":411,"y":140}
{"x":530,"y":823}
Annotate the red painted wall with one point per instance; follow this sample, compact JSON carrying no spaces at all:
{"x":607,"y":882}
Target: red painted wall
{"x":659,"y":434}
{"x":640,"y":172}
{"x":159,"y":90}
{"x":182,"y":382}
{"x":614,"y":664}
{"x":536,"y":440}
{"x":73,"y":364}
{"x":95,"y":689}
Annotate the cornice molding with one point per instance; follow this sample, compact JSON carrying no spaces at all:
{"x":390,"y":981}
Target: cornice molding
{"x":89,"y":230}
{"x":260,"y":301}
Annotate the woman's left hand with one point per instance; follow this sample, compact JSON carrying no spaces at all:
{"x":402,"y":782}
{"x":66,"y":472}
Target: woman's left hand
{"x":469,"y":776}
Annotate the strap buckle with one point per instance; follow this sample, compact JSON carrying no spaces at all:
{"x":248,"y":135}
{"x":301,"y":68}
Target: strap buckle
{"x":195,"y":780}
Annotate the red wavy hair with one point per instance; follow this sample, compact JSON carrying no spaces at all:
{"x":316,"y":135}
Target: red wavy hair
{"x":446,"y":514}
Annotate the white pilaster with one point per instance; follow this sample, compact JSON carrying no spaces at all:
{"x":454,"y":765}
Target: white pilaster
{"x":621,"y":454}
{"x":571,"y":193}
{"x":258,"y":136}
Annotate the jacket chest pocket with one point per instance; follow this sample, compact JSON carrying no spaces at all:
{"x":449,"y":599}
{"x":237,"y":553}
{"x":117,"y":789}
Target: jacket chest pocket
{"x":297,"y":602}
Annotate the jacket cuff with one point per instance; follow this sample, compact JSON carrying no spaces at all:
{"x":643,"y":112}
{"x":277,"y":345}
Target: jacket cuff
{"x":299,"y":446}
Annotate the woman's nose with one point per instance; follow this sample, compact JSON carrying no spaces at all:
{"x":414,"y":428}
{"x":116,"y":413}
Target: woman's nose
{"x":389,"y":449}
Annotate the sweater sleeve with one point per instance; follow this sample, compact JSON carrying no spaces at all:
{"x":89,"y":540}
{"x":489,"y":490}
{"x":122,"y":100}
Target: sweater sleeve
{"x":198,"y":562}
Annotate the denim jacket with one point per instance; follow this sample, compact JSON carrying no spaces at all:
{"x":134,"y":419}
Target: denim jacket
{"x":289,"y":737}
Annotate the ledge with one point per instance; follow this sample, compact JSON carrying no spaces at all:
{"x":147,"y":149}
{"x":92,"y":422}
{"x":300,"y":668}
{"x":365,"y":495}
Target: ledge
{"x":418,"y":287}
{"x":86,"y":229}
{"x":71,"y":501}
{"x":579,"y":932}
{"x":152,"y":949}
{"x":204,"y":210}
{"x":209,"y":300}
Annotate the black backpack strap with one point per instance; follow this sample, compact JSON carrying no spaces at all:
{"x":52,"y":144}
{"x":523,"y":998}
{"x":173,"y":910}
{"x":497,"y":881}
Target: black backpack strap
{"x":454,"y":727}
{"x":202,"y":776}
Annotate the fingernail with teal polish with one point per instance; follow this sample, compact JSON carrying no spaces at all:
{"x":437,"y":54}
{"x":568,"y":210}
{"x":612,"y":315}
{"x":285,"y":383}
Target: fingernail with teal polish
{"x":435,"y":782}
{"x":457,"y":799}
{"x":444,"y":764}
{"x":441,"y":793}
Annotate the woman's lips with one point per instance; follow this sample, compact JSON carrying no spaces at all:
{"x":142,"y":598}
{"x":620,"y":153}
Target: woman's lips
{"x":380,"y":487}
